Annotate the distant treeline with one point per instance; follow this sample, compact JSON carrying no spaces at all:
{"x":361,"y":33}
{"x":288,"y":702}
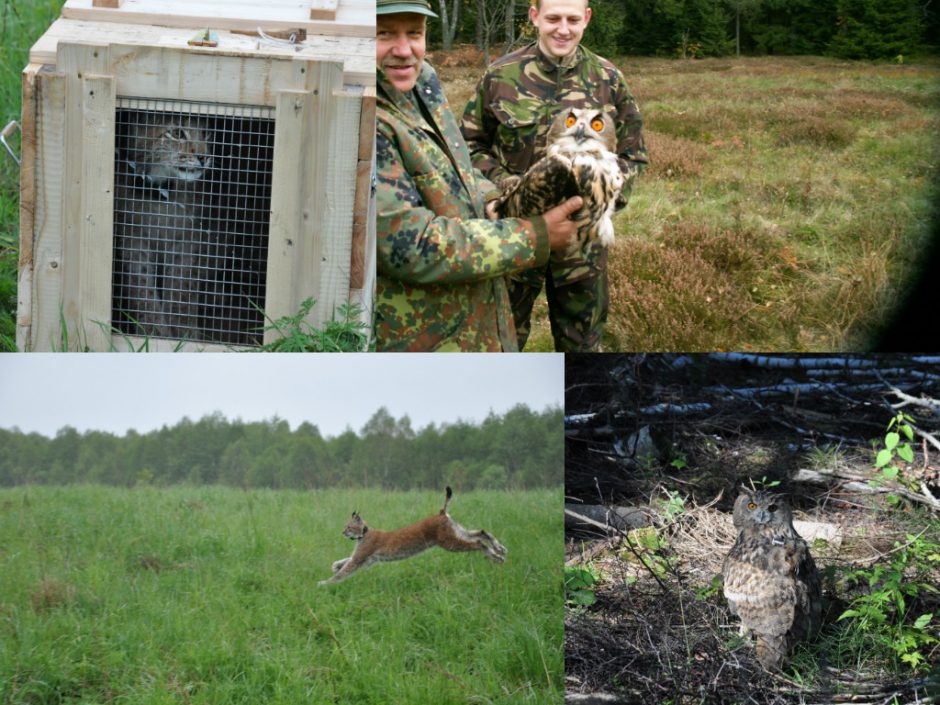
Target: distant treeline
{"x":851,"y":29}
{"x":519,"y":449}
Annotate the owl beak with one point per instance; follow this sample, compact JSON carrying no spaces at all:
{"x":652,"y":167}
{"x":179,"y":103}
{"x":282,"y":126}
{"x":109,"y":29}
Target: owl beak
{"x":762,"y":516}
{"x":579,"y":133}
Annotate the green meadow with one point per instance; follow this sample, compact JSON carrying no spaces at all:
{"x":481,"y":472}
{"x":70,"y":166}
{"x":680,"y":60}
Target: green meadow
{"x":209,"y":595}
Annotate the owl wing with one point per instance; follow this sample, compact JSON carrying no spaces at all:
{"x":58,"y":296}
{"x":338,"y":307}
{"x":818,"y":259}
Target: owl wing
{"x":808,"y":614}
{"x":598,"y":178}
{"x":759,"y":587}
{"x":548,"y":183}
{"x":599,"y":181}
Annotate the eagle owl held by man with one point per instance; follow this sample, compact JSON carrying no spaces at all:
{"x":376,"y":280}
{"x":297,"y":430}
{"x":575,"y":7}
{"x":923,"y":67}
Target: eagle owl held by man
{"x":580,"y":160}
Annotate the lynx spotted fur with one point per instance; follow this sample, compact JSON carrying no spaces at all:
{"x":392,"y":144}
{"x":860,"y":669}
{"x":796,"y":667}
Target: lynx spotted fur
{"x":437,"y":530}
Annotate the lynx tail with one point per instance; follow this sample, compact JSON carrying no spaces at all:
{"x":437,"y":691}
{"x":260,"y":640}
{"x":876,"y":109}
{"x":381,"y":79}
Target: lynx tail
{"x":447,"y":501}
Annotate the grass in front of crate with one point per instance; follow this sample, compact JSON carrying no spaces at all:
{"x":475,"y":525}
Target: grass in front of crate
{"x":346,"y":334}
{"x":787,"y":203}
{"x":196,"y":594}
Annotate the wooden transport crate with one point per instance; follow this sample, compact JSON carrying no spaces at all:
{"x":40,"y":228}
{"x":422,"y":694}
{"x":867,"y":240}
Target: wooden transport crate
{"x":272,"y":105}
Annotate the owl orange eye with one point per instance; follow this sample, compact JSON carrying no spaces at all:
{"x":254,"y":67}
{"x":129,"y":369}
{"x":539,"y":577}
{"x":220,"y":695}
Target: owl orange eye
{"x":597,"y":125}
{"x":751,"y":506}
{"x":570,"y":121}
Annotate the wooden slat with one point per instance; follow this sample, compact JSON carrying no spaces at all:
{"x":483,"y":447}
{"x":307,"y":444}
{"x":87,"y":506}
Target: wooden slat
{"x":286,"y":242}
{"x":352,"y":18}
{"x":106,"y":3}
{"x":47,"y":269}
{"x":316,"y":262}
{"x":333,"y":180}
{"x":356,"y":53}
{"x":359,"y":260}
{"x":367,"y":124}
{"x":364,"y":296}
{"x":96,"y":226}
{"x":76,"y":60}
{"x":24,"y":301}
{"x":323,"y":9}
{"x":198,"y":74}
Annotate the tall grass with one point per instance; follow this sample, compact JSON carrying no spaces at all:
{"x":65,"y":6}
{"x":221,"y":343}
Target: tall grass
{"x":787,"y":204}
{"x":208,"y":595}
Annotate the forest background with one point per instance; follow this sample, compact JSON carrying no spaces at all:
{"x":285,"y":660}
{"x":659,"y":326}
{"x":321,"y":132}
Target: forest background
{"x":521,"y":449}
{"x":847,"y":29}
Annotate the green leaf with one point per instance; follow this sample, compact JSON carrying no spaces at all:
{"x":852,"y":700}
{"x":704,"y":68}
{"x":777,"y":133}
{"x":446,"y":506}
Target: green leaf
{"x":849,"y":613}
{"x":578,"y":578}
{"x":923,"y":620}
{"x":906,"y":453}
{"x":582,"y":597}
{"x":908,"y":431}
{"x":883,"y":458}
{"x":891,"y":440}
{"x":890,"y":472}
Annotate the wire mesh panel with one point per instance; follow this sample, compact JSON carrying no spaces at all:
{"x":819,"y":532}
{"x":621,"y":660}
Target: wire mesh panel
{"x":191,"y":217}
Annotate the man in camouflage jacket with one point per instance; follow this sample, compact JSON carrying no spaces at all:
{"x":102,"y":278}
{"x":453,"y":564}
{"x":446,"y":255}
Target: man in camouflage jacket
{"x":442,"y":266}
{"x":505,"y":126}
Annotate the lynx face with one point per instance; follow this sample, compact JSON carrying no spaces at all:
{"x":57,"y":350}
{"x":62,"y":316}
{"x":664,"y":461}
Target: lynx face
{"x":176,"y":149}
{"x":356,"y":528}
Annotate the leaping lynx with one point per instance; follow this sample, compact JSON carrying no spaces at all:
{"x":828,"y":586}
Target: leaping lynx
{"x":438,"y":530}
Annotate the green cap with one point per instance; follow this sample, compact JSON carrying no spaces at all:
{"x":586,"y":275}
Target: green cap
{"x":390,"y":7}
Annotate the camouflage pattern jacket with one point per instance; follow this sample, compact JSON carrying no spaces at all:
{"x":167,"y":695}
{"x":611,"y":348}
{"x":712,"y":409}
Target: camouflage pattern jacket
{"x":441,"y":266}
{"x":506,"y":123}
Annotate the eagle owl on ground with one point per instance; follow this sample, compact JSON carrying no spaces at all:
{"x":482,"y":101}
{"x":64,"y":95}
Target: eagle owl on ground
{"x":580,"y":160}
{"x":770,"y":579}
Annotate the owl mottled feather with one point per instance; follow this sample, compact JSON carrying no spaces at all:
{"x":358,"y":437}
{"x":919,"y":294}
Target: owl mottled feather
{"x":770,"y":579}
{"x":579,"y":161}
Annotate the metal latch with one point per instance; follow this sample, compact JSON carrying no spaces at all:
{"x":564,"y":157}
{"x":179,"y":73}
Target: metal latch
{"x":7,"y":131}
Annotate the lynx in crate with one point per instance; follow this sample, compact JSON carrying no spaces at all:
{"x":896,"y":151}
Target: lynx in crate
{"x":160,"y":205}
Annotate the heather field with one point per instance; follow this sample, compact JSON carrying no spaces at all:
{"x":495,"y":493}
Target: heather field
{"x":787,"y":206}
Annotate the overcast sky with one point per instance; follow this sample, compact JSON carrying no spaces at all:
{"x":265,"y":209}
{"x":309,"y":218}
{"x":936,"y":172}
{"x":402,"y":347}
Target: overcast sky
{"x":113,"y":392}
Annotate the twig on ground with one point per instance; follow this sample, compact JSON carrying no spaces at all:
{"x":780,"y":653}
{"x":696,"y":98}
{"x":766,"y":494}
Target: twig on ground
{"x":326,"y":630}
